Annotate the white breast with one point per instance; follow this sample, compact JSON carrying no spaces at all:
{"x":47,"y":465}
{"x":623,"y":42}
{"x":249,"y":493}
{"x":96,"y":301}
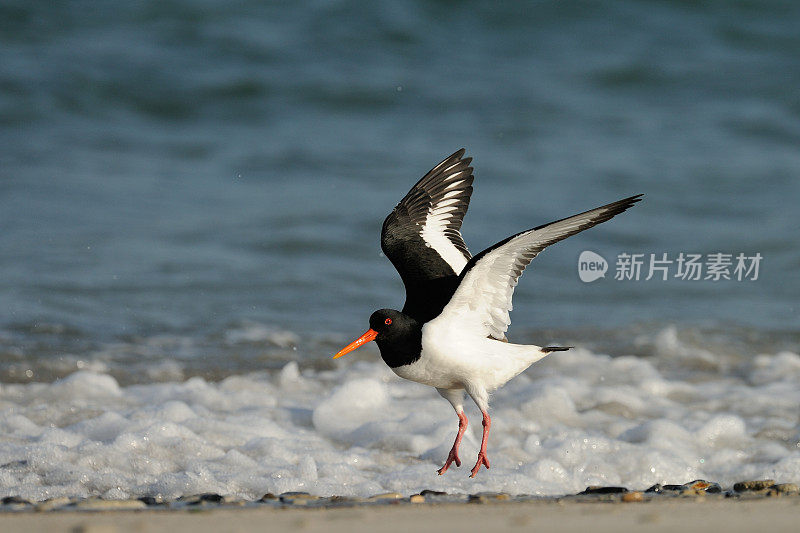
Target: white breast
{"x":452,"y":359}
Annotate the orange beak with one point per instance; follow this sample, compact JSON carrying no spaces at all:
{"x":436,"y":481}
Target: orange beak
{"x":369,"y":335}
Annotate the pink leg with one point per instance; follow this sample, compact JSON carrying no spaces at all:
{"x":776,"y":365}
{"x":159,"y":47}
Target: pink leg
{"x":482,"y":459}
{"x":453,"y":455}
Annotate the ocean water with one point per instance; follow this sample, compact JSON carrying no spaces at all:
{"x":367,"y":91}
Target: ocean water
{"x":191,"y":195}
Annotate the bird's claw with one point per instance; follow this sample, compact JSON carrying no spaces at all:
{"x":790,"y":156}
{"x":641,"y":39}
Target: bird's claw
{"x":482,"y":460}
{"x":452,"y":457}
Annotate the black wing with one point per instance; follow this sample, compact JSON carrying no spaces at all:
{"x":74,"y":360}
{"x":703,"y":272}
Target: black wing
{"x":422,"y":237}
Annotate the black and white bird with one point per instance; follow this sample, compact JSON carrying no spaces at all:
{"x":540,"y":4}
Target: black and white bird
{"x":451,"y":332}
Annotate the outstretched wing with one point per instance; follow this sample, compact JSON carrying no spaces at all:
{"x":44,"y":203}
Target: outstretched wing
{"x":422,"y":237}
{"x":482,"y":301}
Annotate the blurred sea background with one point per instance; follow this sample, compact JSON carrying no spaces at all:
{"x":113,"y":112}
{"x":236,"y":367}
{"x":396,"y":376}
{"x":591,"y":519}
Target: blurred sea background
{"x":206,"y":181}
{"x":196,"y":188}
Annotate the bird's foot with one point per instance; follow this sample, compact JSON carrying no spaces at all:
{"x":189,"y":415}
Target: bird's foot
{"x":452,"y":457}
{"x":482,"y":460}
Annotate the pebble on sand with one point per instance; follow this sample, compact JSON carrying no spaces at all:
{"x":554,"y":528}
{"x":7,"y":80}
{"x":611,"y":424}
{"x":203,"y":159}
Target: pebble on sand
{"x":297,"y":498}
{"x":604,"y":490}
{"x":753,"y":486}
{"x":635,"y":496}
{"x":786,"y":488}
{"x":96,"y":504}
{"x":201,"y":499}
{"x":694,"y":489}
{"x":699,"y":487}
{"x":385,"y":496}
{"x":52,"y":504}
{"x":486,"y":497}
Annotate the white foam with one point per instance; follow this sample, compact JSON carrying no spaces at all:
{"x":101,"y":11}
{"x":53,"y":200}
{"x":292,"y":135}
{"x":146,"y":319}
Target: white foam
{"x":575,"y":419}
{"x":253,"y":332}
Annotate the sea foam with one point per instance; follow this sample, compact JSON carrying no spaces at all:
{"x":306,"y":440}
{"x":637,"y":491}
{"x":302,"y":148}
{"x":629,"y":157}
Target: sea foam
{"x":577,"y":418}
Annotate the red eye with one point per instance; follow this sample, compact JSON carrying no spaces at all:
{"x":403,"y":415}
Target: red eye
{"x":388,"y":321}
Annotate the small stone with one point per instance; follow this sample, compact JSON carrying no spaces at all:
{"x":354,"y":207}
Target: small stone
{"x":149,"y":500}
{"x":15,"y":500}
{"x":207,"y":497}
{"x":268,"y":497}
{"x":385,"y":496}
{"x":786,"y":488}
{"x":753,"y":486}
{"x":296,"y":497}
{"x":437,"y":496}
{"x":96,"y":504}
{"x":21,"y":463}
{"x":604,"y":490}
{"x":701,"y":485}
{"x":95,"y":528}
{"x":485,"y":497}
{"x":657,"y":488}
{"x":635,"y":496}
{"x":339,"y":500}
{"x":417,"y":498}
{"x":202,"y":499}
{"x":54,"y":503}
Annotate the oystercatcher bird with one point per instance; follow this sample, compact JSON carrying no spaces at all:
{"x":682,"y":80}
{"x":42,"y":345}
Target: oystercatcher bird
{"x":451,"y":332}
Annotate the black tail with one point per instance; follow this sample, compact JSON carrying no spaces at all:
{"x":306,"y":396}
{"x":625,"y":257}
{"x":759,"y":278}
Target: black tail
{"x":548,"y":349}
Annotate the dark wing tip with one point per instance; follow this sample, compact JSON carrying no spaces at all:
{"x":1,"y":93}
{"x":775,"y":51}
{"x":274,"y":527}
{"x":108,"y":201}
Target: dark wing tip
{"x":449,"y":160}
{"x":613,"y":209}
{"x":605,"y":212}
{"x":635,"y":198}
{"x":548,"y":349}
{"x":629,"y":201}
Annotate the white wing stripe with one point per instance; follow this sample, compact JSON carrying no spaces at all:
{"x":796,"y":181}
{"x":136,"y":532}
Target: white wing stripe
{"x":433,"y":233}
{"x":451,"y":196}
{"x":446,"y":202}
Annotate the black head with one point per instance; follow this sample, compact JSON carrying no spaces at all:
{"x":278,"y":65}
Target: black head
{"x":390,"y":324}
{"x":399,"y":337}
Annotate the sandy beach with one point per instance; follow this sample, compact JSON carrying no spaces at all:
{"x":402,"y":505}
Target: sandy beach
{"x":774,"y":514}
